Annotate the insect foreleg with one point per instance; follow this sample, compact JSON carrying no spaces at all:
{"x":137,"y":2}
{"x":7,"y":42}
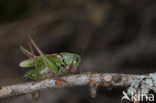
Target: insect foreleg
{"x":72,"y":68}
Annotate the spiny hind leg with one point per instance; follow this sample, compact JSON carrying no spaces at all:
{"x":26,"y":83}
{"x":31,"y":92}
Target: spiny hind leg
{"x":26,"y":52}
{"x":47,"y":76}
{"x":33,"y":56}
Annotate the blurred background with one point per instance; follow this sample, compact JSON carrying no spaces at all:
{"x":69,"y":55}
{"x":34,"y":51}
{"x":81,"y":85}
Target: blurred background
{"x":110,"y":35}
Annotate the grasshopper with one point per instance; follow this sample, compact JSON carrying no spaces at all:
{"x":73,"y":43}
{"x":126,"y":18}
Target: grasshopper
{"x":48,"y":65}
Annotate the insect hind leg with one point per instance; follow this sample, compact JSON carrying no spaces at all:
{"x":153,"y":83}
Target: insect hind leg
{"x":33,"y":56}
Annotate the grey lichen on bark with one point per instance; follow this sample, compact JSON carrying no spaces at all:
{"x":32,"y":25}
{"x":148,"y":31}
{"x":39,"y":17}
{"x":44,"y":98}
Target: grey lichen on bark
{"x":143,"y":84}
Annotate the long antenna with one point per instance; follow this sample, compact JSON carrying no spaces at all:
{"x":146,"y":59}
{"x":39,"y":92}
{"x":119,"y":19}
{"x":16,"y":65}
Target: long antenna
{"x":87,"y":44}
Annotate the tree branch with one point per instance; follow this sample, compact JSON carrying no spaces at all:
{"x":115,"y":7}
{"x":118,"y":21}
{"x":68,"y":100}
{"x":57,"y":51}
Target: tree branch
{"x":84,"y":79}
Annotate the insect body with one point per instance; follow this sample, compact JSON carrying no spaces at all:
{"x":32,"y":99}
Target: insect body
{"x":51,"y":64}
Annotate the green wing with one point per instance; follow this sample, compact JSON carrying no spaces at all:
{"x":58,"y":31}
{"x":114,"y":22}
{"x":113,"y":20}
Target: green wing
{"x":39,"y":60}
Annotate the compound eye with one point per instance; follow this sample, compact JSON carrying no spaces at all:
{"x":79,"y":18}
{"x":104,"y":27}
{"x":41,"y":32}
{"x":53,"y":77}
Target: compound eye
{"x":77,"y":59}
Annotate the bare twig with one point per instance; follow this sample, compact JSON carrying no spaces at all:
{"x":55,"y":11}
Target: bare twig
{"x":84,"y":79}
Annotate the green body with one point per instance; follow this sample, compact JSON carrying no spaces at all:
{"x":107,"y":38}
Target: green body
{"x":52,"y":64}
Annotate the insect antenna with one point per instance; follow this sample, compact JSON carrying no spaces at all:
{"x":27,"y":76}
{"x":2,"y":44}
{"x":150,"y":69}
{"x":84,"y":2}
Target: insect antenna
{"x":83,"y":50}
